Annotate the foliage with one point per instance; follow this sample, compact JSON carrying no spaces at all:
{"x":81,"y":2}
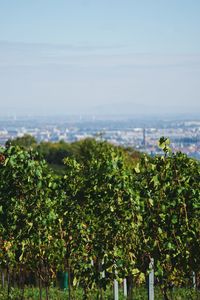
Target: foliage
{"x":169,"y":191}
{"x":29,"y":231}
{"x":104,"y":218}
{"x":103,"y":208}
{"x":25,"y":141}
{"x":55,"y":152}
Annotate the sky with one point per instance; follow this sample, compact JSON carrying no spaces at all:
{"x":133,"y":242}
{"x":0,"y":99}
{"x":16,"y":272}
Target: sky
{"x":99,"y":57}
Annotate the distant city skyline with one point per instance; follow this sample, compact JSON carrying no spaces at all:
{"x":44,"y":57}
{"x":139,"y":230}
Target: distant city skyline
{"x":99,"y":57}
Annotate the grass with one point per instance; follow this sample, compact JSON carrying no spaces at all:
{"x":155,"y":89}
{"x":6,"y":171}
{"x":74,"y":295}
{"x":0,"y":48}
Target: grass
{"x":56,"y":294}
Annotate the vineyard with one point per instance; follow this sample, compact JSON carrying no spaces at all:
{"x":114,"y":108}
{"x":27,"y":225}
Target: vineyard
{"x":105,"y":219}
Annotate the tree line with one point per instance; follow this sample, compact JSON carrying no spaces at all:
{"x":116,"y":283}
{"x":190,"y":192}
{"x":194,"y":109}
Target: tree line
{"x":55,"y":152}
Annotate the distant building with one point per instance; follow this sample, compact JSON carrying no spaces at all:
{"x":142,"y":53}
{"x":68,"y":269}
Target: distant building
{"x":144,"y":138}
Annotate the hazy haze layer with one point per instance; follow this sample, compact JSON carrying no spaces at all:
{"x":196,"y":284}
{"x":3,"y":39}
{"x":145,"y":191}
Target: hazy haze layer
{"x":89,"y":57}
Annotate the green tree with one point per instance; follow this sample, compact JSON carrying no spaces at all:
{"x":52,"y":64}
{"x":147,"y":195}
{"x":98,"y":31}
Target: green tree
{"x":26,"y":141}
{"x":30,"y":232}
{"x":101,"y":212}
{"x":169,"y":194}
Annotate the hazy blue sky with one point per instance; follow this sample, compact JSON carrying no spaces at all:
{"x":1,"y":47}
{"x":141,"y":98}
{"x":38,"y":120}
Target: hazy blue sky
{"x":105,"y":56}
